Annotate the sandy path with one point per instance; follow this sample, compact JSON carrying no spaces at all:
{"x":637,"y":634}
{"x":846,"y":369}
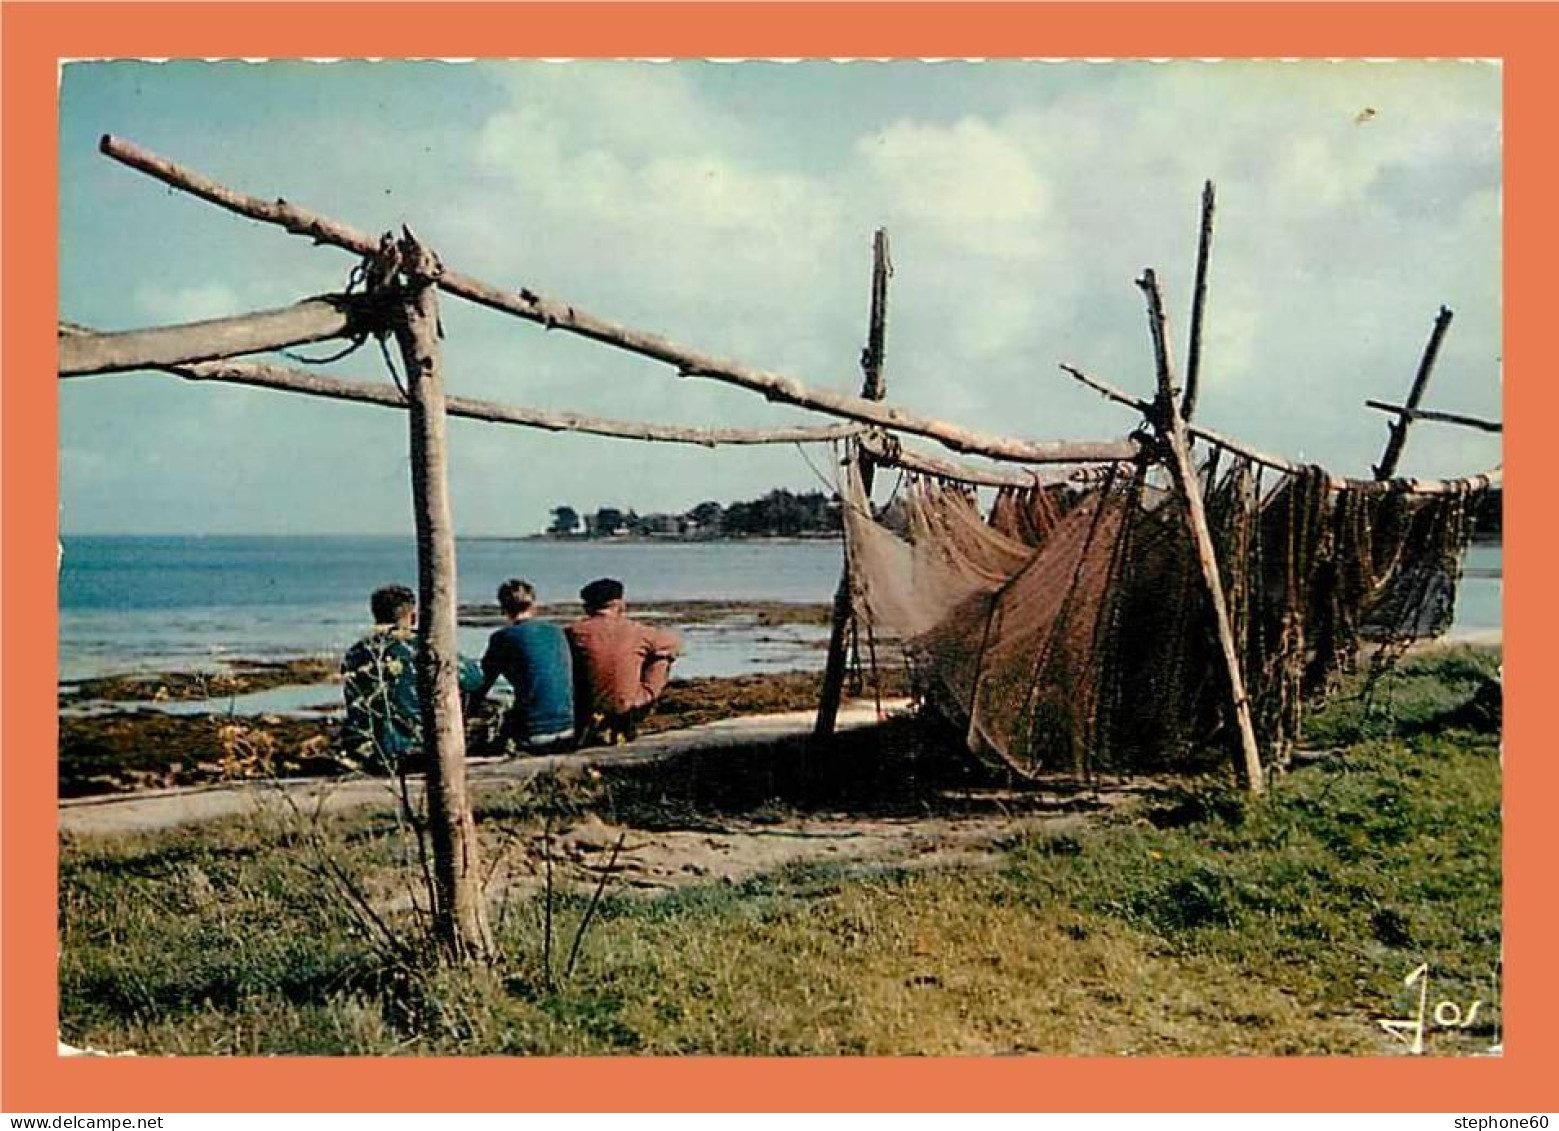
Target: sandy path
{"x":663,"y":860}
{"x":165,"y":809}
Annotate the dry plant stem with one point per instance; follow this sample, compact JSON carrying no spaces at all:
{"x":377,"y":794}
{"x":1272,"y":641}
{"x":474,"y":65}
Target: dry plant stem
{"x":1397,"y":440}
{"x":461,"y":913}
{"x":595,"y":898}
{"x":283,"y":378}
{"x":419,"y":829}
{"x":1172,"y":430}
{"x":1494,"y":477}
{"x":389,"y":943}
{"x":546,"y":909}
{"x":553,"y":314}
{"x":873,"y":388}
{"x":312,"y":320}
{"x":1436,"y":417}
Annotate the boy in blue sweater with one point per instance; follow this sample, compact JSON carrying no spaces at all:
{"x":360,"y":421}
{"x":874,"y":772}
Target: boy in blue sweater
{"x":533,"y":656}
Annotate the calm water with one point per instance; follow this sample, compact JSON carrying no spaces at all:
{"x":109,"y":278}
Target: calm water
{"x":179,"y":603}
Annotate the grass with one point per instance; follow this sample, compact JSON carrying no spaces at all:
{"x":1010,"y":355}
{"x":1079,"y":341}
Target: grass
{"x":1197,"y":924}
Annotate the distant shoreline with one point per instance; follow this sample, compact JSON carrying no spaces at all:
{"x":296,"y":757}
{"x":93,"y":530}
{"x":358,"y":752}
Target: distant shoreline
{"x":614,"y":539}
{"x":651,"y":539}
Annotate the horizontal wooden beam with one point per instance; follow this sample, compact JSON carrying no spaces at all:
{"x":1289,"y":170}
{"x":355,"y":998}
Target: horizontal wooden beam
{"x":1436,"y":416}
{"x":312,"y":320}
{"x":256,"y":375}
{"x":887,"y":451}
{"x":1491,"y":478}
{"x":554,"y":314}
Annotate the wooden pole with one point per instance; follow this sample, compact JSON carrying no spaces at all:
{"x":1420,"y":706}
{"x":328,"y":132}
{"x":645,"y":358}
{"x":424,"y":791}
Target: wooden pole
{"x":882,"y":447}
{"x":284,"y":379}
{"x":461,"y":912}
{"x":1494,"y":477}
{"x":1437,"y":417}
{"x":1172,"y":430}
{"x":872,"y":389}
{"x":554,"y":314}
{"x":885,"y":450}
{"x":1193,"y":364}
{"x":312,"y":320}
{"x":1397,"y":439}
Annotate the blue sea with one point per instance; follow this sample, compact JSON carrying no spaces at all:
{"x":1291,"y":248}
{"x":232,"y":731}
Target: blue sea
{"x":132,"y":603}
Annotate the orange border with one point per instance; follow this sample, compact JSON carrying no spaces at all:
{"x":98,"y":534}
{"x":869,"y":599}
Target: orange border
{"x":35,"y":35}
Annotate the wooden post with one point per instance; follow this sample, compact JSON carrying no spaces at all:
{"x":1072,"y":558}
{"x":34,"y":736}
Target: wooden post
{"x":1397,"y":440}
{"x":873,"y":389}
{"x":1193,"y":361}
{"x":460,"y":917}
{"x":1172,"y":430}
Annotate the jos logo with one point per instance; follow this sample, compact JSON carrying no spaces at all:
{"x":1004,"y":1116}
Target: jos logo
{"x":1444,"y":1015}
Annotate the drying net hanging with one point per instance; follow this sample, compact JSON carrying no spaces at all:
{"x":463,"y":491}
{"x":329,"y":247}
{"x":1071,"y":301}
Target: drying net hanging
{"x":1070,"y":630}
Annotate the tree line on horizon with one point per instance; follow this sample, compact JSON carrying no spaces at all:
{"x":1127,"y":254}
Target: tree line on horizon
{"x":778,"y":513}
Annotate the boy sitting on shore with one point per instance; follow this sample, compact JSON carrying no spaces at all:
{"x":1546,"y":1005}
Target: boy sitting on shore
{"x":533,"y":656}
{"x":620,"y":666}
{"x":383,"y":727}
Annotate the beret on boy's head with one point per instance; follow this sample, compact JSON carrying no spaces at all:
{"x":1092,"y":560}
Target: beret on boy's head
{"x":600,"y":592}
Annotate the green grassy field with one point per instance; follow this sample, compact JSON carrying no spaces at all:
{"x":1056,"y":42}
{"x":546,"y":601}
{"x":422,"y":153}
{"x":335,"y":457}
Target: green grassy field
{"x":1194,"y":923}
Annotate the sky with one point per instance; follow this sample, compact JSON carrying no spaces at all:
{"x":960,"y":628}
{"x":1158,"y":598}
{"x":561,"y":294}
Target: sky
{"x":731,"y":206}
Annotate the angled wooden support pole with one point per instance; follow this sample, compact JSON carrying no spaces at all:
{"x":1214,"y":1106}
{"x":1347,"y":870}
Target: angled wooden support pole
{"x":1397,"y":440}
{"x":461,"y":913}
{"x":312,"y":320}
{"x":873,"y":389}
{"x":1172,"y":431}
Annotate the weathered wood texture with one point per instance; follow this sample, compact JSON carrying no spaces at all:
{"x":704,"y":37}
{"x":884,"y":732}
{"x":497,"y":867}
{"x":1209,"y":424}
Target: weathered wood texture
{"x":312,"y":320}
{"x":873,"y":388}
{"x":1172,"y":430}
{"x":265,"y":376}
{"x":554,"y":314}
{"x":461,"y":913}
{"x":1396,"y":440}
{"x":875,"y":353}
{"x":1435,"y":416}
{"x":886,"y":450}
{"x":1491,"y":478}
{"x":1204,"y":247}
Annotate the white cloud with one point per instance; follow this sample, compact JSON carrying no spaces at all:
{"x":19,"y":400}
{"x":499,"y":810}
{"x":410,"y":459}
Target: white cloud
{"x":731,"y":208}
{"x":164,"y":305}
{"x":972,"y":185}
{"x":635,"y":111}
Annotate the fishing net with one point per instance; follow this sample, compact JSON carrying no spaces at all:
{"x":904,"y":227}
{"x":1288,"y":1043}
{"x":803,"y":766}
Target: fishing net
{"x":1070,"y":630}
